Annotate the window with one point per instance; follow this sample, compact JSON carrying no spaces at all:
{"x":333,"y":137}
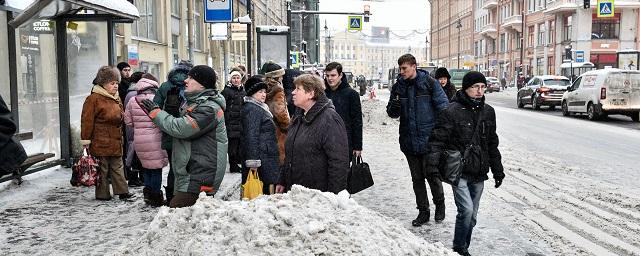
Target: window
{"x":552,"y":32}
{"x":175,"y":8}
{"x":146,"y":26}
{"x":502,"y":42}
{"x":551,"y":69}
{"x":605,"y":28}
{"x":539,"y":66}
{"x":518,"y":40}
{"x":541,"y":39}
{"x":531,"y":33}
{"x":567,"y":29}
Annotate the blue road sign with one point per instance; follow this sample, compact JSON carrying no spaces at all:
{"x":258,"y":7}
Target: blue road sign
{"x":218,"y":11}
{"x":579,"y":56}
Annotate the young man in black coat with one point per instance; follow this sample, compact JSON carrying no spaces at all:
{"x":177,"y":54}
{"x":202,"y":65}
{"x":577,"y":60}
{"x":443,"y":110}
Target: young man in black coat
{"x":11,"y":152}
{"x":347,"y":103}
{"x":455,"y":130}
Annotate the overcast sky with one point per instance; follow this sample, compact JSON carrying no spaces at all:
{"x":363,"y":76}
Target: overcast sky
{"x":401,"y":16}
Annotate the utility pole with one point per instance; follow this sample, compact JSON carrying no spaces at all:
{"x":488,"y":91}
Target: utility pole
{"x":459,"y":26}
{"x":249,"y":38}
{"x":289,"y":34}
{"x":190,"y":28}
{"x":522,"y":41}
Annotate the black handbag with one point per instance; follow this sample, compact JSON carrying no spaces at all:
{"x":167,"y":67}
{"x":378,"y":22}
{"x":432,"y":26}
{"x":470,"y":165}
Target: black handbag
{"x":455,"y":162}
{"x":359,"y":177}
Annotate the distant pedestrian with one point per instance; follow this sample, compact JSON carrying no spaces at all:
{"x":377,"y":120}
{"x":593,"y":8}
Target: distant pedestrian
{"x":199,"y":137}
{"x":346,"y":102}
{"x":455,"y":129}
{"x":147,"y":141}
{"x":417,"y":98}
{"x":101,"y":132}
{"x":234,"y":96}
{"x":503,"y":83}
{"x":317,"y":151}
{"x":259,"y":134}
{"x":125,"y":79}
{"x":442,"y":75}
{"x":277,"y":102}
{"x":12,"y":153}
{"x":123,"y":89}
{"x":171,"y":98}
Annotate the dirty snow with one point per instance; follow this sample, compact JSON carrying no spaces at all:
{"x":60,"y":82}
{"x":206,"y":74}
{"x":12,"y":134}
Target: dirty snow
{"x":301,"y":222}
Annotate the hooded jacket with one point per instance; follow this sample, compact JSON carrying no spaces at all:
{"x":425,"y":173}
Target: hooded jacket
{"x":199,"y":153}
{"x":12,"y":153}
{"x":259,"y":139}
{"x":175,"y":79}
{"x":317,"y":152}
{"x":101,"y":123}
{"x":420,"y":100}
{"x":147,"y":137}
{"x":277,"y":102}
{"x":347,"y":103}
{"x":454,"y":130}
{"x":234,"y":97}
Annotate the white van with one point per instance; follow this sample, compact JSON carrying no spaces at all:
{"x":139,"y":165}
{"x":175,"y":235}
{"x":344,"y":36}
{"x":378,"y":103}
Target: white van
{"x":602,"y":92}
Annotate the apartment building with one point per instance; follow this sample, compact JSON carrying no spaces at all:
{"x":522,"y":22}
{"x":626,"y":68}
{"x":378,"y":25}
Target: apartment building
{"x":452,"y":33}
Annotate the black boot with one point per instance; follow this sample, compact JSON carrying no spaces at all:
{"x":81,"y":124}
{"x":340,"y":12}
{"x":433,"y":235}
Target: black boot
{"x":439,"y":212}
{"x":462,"y":251}
{"x":146,"y":194}
{"x":169,"y":194}
{"x":153,"y":198}
{"x":423,"y":217}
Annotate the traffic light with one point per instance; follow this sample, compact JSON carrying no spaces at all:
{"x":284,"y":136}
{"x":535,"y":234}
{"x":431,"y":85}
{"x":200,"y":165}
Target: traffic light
{"x":587,"y":4}
{"x":567,"y":54}
{"x":367,"y":12}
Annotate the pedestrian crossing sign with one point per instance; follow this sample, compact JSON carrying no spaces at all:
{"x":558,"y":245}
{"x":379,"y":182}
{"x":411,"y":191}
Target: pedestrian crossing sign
{"x":606,"y":8}
{"x":355,"y":23}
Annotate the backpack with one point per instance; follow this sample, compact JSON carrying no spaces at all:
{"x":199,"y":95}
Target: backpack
{"x":173,"y":101}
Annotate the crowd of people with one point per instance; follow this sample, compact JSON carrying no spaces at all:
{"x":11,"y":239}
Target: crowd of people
{"x":300,"y":128}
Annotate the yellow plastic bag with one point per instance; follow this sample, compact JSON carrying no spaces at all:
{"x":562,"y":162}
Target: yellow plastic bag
{"x":252,"y":188}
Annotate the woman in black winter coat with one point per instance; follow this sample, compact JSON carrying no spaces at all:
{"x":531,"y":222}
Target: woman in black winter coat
{"x":11,"y":152}
{"x":234,"y":97}
{"x":317,"y":149}
{"x":259,"y":134}
{"x":442,"y":75}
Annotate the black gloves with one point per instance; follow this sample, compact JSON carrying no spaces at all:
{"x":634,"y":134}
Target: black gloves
{"x":394,"y":104}
{"x":148,"y":105}
{"x":498,"y":179}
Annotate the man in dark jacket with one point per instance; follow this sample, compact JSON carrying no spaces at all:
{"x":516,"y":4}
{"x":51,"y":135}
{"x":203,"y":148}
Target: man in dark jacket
{"x":234,"y":96}
{"x":170,"y":97}
{"x":11,"y":152}
{"x":442,"y":75}
{"x":455,"y":130}
{"x":123,"y":89}
{"x":417,"y":98}
{"x":347,"y":103}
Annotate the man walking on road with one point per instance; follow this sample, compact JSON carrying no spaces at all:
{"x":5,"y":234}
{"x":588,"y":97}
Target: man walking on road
{"x":417,"y":98}
{"x":468,"y":123}
{"x":347,"y":104}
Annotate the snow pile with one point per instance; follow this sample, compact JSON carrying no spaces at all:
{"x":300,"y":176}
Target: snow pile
{"x":301,"y":222}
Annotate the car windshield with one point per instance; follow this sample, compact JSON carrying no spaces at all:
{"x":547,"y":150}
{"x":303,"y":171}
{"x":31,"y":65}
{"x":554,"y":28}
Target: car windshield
{"x":559,"y":82}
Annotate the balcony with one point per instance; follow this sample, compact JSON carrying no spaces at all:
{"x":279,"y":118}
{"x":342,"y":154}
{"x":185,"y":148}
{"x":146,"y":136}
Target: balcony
{"x":489,"y":30}
{"x":514,"y":22}
{"x":490,"y":4}
{"x":561,"y":6}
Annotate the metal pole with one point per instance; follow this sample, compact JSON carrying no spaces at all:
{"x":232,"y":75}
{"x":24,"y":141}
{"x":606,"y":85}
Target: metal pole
{"x":13,"y":72}
{"x":289,"y":34}
{"x":111,"y":38}
{"x":459,"y":45}
{"x":522,"y":39}
{"x":190,"y":28}
{"x":249,"y":38}
{"x":63,"y":91}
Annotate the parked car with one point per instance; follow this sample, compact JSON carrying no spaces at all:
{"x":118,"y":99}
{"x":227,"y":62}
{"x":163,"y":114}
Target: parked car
{"x":543,"y":91}
{"x":493,"y":84}
{"x":603,"y":92}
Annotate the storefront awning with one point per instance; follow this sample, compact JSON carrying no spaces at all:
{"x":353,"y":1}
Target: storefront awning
{"x":49,"y":9}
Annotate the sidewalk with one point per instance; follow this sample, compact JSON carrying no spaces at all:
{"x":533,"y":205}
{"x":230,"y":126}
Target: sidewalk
{"x":47,"y":216}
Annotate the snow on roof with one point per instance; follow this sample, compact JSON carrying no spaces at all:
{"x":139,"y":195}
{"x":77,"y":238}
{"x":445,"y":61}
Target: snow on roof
{"x":301,"y":222}
{"x":46,"y":9}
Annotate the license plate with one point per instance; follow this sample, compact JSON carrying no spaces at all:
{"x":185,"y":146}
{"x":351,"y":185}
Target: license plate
{"x":618,"y":102}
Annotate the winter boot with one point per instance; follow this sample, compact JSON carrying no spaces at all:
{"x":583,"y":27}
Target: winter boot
{"x":462,"y":251}
{"x":146,"y":195}
{"x":169,"y":194}
{"x":153,"y":198}
{"x":423,"y":217}
{"x":439,"y":212}
{"x":126,"y":197}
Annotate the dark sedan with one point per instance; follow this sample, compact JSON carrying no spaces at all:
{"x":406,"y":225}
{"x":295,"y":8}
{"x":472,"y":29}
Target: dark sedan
{"x":543,"y":91}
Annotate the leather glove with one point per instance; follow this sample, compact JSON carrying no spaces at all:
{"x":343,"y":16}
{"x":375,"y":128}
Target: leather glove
{"x":498,"y":181}
{"x":148,"y":105}
{"x":395,"y":104}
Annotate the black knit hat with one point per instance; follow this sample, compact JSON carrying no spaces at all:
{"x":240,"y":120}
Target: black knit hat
{"x":254,"y":84}
{"x":205,"y":75}
{"x":472,"y":78}
{"x":442,"y":72}
{"x":123,"y":65}
{"x":271,"y":69}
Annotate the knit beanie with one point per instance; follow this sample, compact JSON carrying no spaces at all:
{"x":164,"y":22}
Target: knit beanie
{"x":205,"y":75}
{"x":235,"y":73}
{"x":123,"y":65}
{"x":271,"y":69}
{"x":106,"y":74}
{"x":472,"y":78}
{"x":442,"y":72}
{"x":254,"y":84}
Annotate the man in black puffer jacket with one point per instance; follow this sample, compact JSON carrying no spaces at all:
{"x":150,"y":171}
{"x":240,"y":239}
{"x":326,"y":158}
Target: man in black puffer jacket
{"x":11,"y":152}
{"x":347,"y":104}
{"x":234,"y":96}
{"x":455,"y":130}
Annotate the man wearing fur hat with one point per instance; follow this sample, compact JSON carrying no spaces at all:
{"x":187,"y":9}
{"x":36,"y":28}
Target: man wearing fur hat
{"x":199,"y":137}
{"x":234,"y":96}
{"x":442,"y":75}
{"x":277,"y":102}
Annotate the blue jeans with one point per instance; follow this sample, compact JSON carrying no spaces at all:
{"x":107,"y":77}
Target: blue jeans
{"x":153,"y":179}
{"x":467,"y":197}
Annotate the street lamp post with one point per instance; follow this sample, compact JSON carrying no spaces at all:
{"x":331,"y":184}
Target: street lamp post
{"x":459,"y":26}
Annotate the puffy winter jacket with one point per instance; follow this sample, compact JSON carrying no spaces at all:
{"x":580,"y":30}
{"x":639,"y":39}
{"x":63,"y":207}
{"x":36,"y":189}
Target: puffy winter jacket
{"x":347,"y":104}
{"x":420,"y":99}
{"x":259,"y":139}
{"x":199,"y":152}
{"x":12,"y":153}
{"x":147,"y":137}
{"x":101,"y":123}
{"x":454,"y":130}
{"x":234,"y":97}
{"x":317,"y":154}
